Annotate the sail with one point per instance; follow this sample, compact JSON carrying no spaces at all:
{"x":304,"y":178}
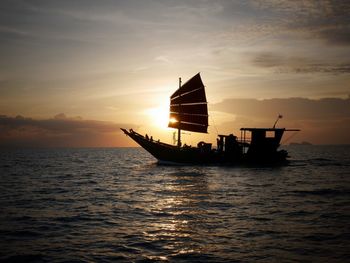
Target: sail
{"x":188,"y":107}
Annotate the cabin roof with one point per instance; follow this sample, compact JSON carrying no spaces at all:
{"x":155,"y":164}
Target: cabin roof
{"x":261,"y":129}
{"x":268,"y":129}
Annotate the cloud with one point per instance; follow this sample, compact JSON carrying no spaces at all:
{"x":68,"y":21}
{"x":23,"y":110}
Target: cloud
{"x":327,"y":20}
{"x":322,"y":68}
{"x":336,"y":35}
{"x":292,"y":108}
{"x":267,"y":60}
{"x":163,"y":59}
{"x":293,"y":64}
{"x":60,"y":131}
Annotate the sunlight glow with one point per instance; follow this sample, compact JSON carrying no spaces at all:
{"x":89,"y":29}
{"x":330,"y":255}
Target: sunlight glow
{"x":159,"y":115}
{"x":172,"y":120}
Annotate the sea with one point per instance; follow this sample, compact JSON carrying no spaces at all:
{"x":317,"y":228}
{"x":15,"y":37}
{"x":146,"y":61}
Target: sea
{"x":118,"y":205}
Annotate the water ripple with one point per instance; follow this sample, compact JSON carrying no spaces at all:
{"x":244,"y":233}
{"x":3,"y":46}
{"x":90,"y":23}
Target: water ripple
{"x":108,"y":205}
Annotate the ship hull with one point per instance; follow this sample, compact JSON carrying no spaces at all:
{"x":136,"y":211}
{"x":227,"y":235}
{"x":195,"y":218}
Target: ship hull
{"x":169,"y":154}
{"x":186,"y":155}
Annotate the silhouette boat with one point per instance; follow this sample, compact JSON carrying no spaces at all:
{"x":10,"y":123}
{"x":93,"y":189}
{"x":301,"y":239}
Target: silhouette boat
{"x":189,"y":112}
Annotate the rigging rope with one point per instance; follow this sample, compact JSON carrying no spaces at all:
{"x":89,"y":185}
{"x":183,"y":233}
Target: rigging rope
{"x":290,"y":137}
{"x":212,"y":119}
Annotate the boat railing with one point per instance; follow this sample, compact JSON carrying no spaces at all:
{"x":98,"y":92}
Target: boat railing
{"x":243,"y":141}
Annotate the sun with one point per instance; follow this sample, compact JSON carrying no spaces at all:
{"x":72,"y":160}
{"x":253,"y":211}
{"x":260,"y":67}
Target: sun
{"x":159,"y":116}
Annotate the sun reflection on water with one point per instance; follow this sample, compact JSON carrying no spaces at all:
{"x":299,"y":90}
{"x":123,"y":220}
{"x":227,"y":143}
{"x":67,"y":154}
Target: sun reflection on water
{"x":175,"y":214}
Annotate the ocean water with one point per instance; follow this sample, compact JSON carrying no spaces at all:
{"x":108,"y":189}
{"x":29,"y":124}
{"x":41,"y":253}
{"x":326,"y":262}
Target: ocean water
{"x":118,"y":205}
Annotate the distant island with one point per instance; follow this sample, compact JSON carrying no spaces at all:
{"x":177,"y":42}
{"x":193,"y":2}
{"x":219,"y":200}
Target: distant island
{"x":300,"y":143}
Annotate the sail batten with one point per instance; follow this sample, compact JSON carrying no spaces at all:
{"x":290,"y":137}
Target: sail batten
{"x":192,"y":108}
{"x":188,"y":93}
{"x":189,"y":126}
{"x":195,"y":96}
{"x":188,"y":106}
{"x":191,"y":118}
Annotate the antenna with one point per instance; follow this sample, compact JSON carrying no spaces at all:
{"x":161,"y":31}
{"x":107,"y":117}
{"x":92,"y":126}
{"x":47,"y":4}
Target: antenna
{"x":278,"y":117}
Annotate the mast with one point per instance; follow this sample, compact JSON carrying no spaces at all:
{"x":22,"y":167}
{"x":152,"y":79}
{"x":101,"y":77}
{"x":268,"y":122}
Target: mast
{"x":179,"y":129}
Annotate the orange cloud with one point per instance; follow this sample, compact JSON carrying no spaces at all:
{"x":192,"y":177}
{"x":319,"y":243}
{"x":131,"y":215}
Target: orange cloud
{"x":60,"y":131}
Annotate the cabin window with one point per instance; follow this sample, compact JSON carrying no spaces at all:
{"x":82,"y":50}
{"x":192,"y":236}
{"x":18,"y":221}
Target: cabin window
{"x":270,"y":134}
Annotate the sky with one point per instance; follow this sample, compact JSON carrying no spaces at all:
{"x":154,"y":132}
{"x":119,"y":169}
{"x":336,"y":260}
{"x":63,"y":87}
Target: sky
{"x":73,"y":72}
